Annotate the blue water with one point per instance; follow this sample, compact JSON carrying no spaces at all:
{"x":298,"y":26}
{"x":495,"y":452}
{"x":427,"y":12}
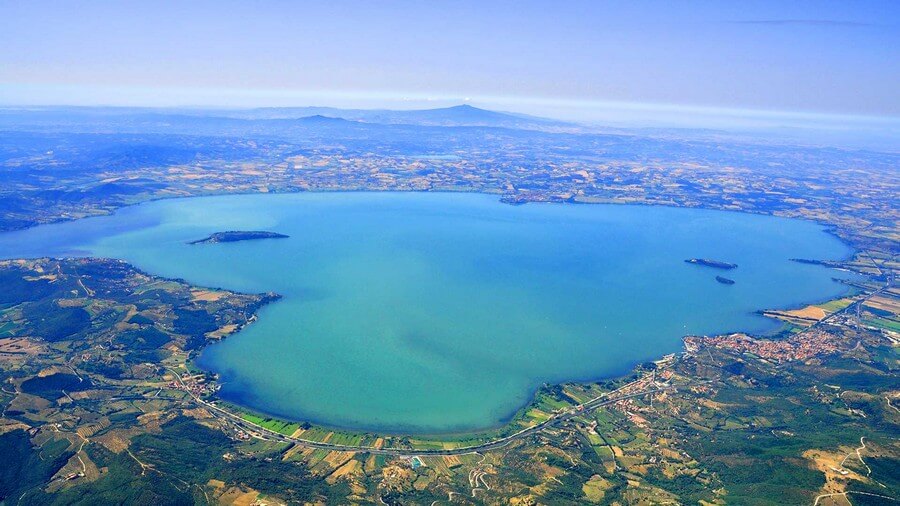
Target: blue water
{"x":437,"y":312}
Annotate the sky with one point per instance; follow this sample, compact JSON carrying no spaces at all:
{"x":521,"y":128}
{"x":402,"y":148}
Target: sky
{"x":573,"y":57}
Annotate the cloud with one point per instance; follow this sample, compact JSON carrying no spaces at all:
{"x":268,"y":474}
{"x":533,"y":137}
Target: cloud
{"x":804,"y":22}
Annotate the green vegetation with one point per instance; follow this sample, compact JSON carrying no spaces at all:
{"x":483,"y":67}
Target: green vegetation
{"x":123,"y":483}
{"x":54,"y":385}
{"x":740,"y":427}
{"x":54,"y":323}
{"x":15,"y":289}
{"x":274,"y":425}
{"x":884,"y":323}
{"x":835,"y":305}
{"x":25,"y":465}
{"x":235,"y":236}
{"x":195,"y":324}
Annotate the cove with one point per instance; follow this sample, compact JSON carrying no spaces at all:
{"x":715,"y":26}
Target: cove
{"x":441,"y":312}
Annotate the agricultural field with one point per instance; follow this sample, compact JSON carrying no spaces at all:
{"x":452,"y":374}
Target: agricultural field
{"x":101,"y":401}
{"x":84,"y":416}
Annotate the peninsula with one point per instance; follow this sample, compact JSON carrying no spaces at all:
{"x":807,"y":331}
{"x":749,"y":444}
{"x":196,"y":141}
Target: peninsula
{"x":235,"y":236}
{"x":99,"y":377}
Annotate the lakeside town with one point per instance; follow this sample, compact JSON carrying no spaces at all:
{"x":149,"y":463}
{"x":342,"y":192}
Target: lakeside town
{"x":96,"y":357}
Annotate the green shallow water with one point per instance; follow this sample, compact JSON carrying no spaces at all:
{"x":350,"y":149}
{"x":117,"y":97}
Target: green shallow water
{"x":426,"y":312}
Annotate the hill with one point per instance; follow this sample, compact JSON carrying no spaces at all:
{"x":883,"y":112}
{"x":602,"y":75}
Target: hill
{"x":459,"y":115}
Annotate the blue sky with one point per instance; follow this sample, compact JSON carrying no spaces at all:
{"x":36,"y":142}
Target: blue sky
{"x":815,"y":57}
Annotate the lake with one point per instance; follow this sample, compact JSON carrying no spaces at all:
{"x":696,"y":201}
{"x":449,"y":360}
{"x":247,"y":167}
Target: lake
{"x":438,"y":312}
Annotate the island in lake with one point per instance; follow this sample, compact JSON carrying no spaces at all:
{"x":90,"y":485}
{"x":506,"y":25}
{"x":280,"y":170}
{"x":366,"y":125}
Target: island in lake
{"x":235,"y":236}
{"x":724,"y":280}
{"x":711,"y":263}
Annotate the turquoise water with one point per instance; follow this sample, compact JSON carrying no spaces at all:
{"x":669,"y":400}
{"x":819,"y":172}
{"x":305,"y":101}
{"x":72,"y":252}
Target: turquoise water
{"x":439,"y":312}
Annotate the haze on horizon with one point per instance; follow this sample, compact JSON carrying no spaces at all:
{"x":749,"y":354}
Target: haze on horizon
{"x":581,"y":60}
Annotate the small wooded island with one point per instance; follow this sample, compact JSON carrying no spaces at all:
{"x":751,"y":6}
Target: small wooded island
{"x":711,"y":263}
{"x":724,"y":280}
{"x":235,"y":236}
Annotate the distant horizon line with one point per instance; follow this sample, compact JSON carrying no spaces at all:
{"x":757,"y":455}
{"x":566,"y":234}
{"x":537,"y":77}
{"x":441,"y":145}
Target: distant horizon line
{"x":419,"y":106}
{"x":36,"y":94}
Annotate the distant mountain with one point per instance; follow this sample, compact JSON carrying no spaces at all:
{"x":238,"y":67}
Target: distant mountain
{"x":460,"y":115}
{"x":457,"y":116}
{"x":321,"y":118}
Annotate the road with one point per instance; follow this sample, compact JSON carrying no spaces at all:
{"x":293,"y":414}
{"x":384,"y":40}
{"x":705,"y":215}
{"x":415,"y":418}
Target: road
{"x":597,"y":402}
{"x":854,"y":306}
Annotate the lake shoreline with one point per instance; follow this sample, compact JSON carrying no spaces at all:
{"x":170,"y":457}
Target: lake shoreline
{"x":570,"y":379}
